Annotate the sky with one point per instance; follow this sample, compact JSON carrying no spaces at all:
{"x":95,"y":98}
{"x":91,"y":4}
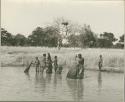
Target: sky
{"x":23,"y":16}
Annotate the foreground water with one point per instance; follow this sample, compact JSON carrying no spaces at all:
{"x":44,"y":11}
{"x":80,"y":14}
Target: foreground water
{"x":95,"y":87}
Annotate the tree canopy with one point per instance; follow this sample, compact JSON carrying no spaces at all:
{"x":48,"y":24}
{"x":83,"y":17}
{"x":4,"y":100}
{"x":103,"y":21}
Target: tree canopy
{"x":77,"y":36}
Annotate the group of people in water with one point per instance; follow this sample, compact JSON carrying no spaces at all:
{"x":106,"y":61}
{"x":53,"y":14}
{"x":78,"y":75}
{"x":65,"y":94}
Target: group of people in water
{"x":47,"y":64}
{"x":77,"y":72}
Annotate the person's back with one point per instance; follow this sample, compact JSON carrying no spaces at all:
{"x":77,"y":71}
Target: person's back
{"x":81,"y":61}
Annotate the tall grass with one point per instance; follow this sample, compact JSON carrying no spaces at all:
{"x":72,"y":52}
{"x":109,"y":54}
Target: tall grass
{"x":22,"y":56}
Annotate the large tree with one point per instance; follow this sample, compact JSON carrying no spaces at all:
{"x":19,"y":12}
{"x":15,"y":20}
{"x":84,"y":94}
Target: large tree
{"x":73,"y":40}
{"x":20,"y":40}
{"x":6,"y":38}
{"x":120,"y":44}
{"x":106,"y":40}
{"x":65,"y":27}
{"x":87,"y":37}
{"x":44,"y":37}
{"x":122,"y":38}
{"x":52,"y":36}
{"x":37,"y":38}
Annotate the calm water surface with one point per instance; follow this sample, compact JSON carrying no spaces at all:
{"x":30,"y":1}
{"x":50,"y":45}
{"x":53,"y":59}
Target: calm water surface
{"x":95,"y":87}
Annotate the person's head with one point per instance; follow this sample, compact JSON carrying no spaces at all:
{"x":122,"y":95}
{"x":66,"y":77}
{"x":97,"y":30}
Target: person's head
{"x":79,"y":55}
{"x":36,"y":58}
{"x":55,"y":57}
{"x":44,"y":55}
{"x":48,"y":54}
{"x":100,"y":56}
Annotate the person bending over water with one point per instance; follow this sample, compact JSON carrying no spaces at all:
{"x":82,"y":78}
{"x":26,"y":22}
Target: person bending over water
{"x":78,"y":71}
{"x":100,"y":63}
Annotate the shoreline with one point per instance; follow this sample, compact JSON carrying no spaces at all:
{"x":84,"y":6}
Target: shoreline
{"x":89,"y":69}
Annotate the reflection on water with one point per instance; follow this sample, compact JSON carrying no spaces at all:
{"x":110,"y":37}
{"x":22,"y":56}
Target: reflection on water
{"x":57,"y":80}
{"x":44,"y":81}
{"x":40,"y":82}
{"x":76,"y":88}
{"x":17,"y":86}
{"x":48,"y":78}
{"x":99,"y":79}
{"x":28,"y":76}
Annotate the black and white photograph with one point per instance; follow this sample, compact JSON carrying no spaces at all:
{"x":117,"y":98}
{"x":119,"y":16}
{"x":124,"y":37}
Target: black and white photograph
{"x":62,"y":50}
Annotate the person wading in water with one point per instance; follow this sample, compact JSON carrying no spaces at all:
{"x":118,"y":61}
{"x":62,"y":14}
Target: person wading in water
{"x":49,"y":64}
{"x":77,"y":72}
{"x":80,"y":71}
{"x":43,"y":62}
{"x":100,"y":63}
{"x":55,"y":63}
{"x":37,"y":62}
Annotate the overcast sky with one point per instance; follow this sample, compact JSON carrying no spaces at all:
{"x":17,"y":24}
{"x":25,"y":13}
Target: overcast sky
{"x":23,"y":16}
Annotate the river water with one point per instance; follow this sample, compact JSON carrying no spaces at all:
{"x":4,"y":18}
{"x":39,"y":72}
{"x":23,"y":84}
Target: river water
{"x":96,"y":86}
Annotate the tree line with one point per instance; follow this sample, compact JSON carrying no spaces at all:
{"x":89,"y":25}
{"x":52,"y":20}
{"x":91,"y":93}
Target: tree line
{"x":79,"y":36}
